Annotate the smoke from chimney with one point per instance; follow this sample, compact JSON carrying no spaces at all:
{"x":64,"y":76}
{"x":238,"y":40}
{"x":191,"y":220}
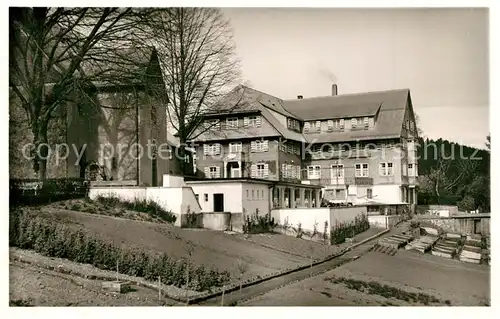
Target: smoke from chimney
{"x":300,"y":97}
{"x":334,"y":89}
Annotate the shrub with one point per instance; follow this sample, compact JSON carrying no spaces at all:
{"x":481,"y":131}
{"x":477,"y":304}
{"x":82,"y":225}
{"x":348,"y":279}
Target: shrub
{"x":36,"y":192}
{"x":50,"y":238}
{"x":256,"y":223}
{"x":139,"y":205}
{"x":341,"y":231}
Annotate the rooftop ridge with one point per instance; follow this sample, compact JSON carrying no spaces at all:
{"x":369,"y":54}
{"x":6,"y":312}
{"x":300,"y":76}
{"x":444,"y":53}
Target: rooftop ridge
{"x":349,"y":94}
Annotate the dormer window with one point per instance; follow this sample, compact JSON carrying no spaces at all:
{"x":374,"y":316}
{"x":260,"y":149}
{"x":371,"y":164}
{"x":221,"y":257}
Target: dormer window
{"x":354,"y":122}
{"x":232,"y":122}
{"x":213,"y":125}
{"x":330,"y":125}
{"x":307,"y":127}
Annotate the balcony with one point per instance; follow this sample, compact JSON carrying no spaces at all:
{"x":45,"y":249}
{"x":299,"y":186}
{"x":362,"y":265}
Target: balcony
{"x":413,"y":180}
{"x":341,"y":181}
{"x":339,"y":154}
{"x":228,"y":156}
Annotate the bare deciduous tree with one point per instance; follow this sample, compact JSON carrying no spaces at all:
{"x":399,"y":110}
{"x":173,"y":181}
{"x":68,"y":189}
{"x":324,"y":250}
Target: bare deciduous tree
{"x":197,"y":53}
{"x":52,"y":53}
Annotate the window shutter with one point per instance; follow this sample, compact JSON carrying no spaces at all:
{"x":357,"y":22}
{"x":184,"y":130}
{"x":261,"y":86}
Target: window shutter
{"x":265,"y":147}
{"x":245,"y":121}
{"x":217,"y":148}
{"x":252,"y":146}
{"x":205,"y":149}
{"x":258,"y":121}
{"x":371,"y":122}
{"x":207,"y":171}
{"x":253,"y":172}
{"x":217,"y":172}
{"x":266,"y":170}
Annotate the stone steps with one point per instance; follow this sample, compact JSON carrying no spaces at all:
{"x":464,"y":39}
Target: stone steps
{"x":423,"y":244}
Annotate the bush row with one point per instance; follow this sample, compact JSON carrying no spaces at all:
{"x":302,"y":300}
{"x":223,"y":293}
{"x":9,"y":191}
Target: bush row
{"x":341,"y":231}
{"x":254,"y":224}
{"x":53,"y":239}
{"x":36,"y":192}
{"x":139,"y":205}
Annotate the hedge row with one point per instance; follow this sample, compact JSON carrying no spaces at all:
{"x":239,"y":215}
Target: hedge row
{"x":35,"y":192}
{"x":51,"y":238}
{"x":341,"y":231}
{"x":139,"y":205}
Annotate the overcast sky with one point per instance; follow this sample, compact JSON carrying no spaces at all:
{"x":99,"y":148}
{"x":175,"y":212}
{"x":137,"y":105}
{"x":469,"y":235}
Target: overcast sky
{"x":441,"y":55}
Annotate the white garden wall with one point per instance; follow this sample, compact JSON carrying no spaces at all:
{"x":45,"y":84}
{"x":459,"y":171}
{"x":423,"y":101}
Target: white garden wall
{"x":179,"y":200}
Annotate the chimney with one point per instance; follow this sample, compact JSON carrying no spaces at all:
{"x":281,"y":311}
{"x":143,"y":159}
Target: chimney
{"x":334,"y":89}
{"x":300,"y":97}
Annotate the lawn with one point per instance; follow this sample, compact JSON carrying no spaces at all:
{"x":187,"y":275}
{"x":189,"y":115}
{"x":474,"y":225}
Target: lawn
{"x":262,"y":254}
{"x":376,"y":279}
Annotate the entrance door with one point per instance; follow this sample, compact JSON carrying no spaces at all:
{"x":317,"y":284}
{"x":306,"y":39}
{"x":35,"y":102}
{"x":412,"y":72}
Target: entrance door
{"x":233,"y":170}
{"x":477,"y":226}
{"x":219,"y":203}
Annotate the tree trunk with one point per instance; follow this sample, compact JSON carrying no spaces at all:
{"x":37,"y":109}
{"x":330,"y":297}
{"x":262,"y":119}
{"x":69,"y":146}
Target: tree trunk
{"x":40,"y":142}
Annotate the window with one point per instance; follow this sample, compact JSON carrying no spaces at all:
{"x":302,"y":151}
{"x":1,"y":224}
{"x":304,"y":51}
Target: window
{"x":293,"y":124}
{"x":307,"y":127}
{"x":410,"y":170}
{"x":213,"y":124}
{"x":371,"y":122}
{"x":361,"y":170}
{"x":235,"y":147}
{"x":354,"y":122}
{"x":260,"y":170}
{"x":252,"y":121}
{"x":296,"y":149}
{"x":206,"y":197}
{"x":253,"y":193}
{"x":337,"y":171}
{"x":313,"y":172}
{"x":366,"y":122}
{"x":341,"y":124}
{"x":386,"y":169}
{"x":330,"y":125}
{"x":369,"y":193}
{"x":211,"y":149}
{"x":289,"y":148}
{"x":318,"y":126}
{"x":262,"y":193}
{"x":232,"y":122}
{"x":213,"y":172}
{"x":247,"y":193}
{"x":259,"y":146}
{"x":197,"y":197}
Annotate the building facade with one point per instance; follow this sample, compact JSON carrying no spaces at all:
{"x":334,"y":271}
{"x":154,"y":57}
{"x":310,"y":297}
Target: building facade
{"x":359,"y":148}
{"x":119,"y":128}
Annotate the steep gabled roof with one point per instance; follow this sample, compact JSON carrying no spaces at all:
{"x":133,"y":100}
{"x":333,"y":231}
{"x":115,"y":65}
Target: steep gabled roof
{"x":388,"y":107}
{"x":347,"y":105}
{"x":244,"y":99}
